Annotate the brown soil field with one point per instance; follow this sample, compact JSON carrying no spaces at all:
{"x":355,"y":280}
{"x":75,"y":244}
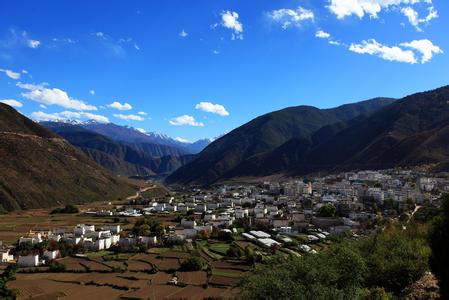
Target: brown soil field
{"x":167,"y":264}
{"x":162,"y":264}
{"x":238,"y":265}
{"x":160,"y":278}
{"x":138,"y":275}
{"x":223,"y":281}
{"x":192,"y":278}
{"x":96,"y":266}
{"x":43,"y":287}
{"x":148,"y":258}
{"x":153,"y":292}
{"x":130,"y":285}
{"x":175,"y":254}
{"x":195,"y":292}
{"x":73,"y":263}
{"x":137,"y":265}
{"x":113,"y":279}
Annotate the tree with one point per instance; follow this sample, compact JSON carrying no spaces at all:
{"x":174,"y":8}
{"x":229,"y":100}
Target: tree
{"x":439,"y":243}
{"x":327,"y":210}
{"x":193,"y":263}
{"x":333,"y":274}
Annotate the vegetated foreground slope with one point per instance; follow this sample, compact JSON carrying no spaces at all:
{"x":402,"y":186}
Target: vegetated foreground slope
{"x":128,"y":159}
{"x":221,"y":158}
{"x":40,"y":169}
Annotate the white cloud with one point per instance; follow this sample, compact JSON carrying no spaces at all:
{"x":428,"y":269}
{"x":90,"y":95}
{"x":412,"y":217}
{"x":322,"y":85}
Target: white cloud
{"x":33,"y":43}
{"x":92,"y":92}
{"x":119,"y":106}
{"x":129,"y":117}
{"x":335,"y":43}
{"x":216,"y":52}
{"x":414,"y":19}
{"x":404,"y":52}
{"x":287,"y":17}
{"x":52,"y":96}
{"x":142,"y":113}
{"x":136,"y":47}
{"x":394,"y":53}
{"x":12,"y":102}
{"x":212,"y":108}
{"x":185,"y":120}
{"x":11,"y":74}
{"x":66,"y":115}
{"x":183,"y":34}
{"x":229,"y":19}
{"x":182,"y":140}
{"x":42,"y":116}
{"x":100,"y":35}
{"x":322,"y":34}
{"x":24,"y":72}
{"x":42,"y":106}
{"x":360,"y":8}
{"x":19,"y":38}
{"x":84,"y":115}
{"x":425,"y":47}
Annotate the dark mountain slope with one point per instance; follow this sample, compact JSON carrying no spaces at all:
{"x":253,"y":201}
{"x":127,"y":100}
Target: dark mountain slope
{"x":40,"y":169}
{"x":412,"y":131}
{"x":263,"y":134}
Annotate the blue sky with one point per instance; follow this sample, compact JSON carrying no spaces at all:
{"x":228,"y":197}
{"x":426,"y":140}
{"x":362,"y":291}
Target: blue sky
{"x":195,"y":69}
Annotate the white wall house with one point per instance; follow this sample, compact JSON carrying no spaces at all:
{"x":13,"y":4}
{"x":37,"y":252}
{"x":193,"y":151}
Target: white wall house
{"x":51,"y":255}
{"x":5,"y":256}
{"x":31,"y":260}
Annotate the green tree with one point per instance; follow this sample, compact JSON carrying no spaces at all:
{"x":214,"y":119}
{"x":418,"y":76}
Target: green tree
{"x":327,"y":210}
{"x":193,"y":263}
{"x":439,"y":243}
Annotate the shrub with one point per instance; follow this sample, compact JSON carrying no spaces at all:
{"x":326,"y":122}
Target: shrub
{"x":193,"y":263}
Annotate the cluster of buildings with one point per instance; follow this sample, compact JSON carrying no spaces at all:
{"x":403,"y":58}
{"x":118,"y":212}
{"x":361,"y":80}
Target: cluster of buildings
{"x":274,"y":210}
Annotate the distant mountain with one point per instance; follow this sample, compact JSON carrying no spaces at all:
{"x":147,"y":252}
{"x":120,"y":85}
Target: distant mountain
{"x":133,"y":135}
{"x":123,"y":158}
{"x":198,"y":146}
{"x":221,"y":159}
{"x":40,"y":169}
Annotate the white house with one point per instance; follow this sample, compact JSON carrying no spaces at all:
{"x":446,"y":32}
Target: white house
{"x":31,"y":260}
{"x":5,"y":256}
{"x":148,"y":240}
{"x":188,"y":224}
{"x":113,"y":228}
{"x":51,"y":255}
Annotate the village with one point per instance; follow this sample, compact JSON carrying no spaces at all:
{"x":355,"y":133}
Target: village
{"x":229,"y":228}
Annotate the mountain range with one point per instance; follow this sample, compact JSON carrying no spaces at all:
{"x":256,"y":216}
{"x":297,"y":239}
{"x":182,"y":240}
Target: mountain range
{"x":133,"y":135}
{"x":41,"y":169}
{"x":373,"y":134}
{"x":124,"y":151}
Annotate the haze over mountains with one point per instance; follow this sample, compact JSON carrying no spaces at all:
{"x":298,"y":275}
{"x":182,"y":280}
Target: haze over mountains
{"x":41,"y":169}
{"x":378,"y":133}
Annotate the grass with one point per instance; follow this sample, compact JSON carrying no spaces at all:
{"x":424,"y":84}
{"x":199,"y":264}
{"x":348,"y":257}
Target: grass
{"x":158,"y":250}
{"x":119,"y":256}
{"x":220,"y":248}
{"x":226,"y":274}
{"x":215,"y":256}
{"x":99,"y":254}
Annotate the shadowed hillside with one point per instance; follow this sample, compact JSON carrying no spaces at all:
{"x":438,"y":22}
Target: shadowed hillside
{"x":40,"y":169}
